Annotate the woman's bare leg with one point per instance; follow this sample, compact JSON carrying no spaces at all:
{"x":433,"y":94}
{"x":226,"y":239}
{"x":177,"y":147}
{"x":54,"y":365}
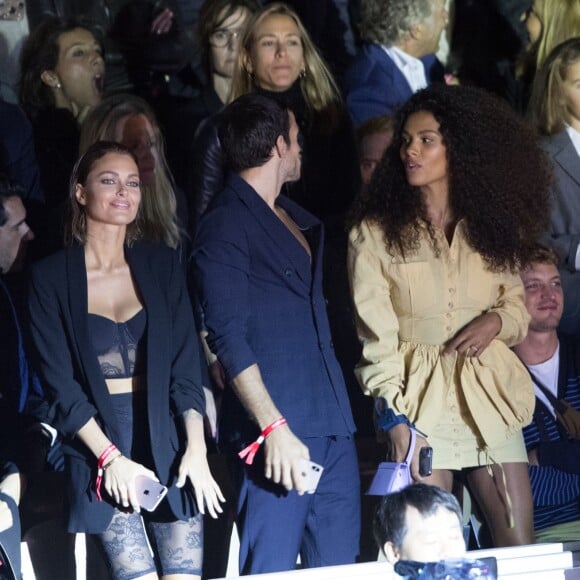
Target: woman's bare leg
{"x":489,"y":492}
{"x":442,"y":478}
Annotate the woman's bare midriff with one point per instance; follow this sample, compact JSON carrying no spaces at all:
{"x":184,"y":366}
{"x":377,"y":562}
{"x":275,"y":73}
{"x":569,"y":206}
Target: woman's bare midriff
{"x":128,"y":385}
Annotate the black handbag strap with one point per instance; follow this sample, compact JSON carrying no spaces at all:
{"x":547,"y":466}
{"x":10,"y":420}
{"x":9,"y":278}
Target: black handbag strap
{"x":558,"y":406}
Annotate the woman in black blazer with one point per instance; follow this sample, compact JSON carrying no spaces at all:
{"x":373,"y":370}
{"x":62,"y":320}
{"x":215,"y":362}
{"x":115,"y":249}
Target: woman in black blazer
{"x":118,"y":355}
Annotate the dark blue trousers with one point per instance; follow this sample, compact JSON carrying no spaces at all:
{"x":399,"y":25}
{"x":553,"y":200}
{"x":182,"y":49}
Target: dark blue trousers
{"x":324,"y":528}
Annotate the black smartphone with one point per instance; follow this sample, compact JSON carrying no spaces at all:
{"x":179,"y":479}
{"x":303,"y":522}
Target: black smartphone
{"x":426,"y":461}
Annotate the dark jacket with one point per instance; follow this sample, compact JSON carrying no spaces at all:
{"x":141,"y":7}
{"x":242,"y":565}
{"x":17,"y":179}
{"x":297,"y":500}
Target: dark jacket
{"x":330,"y":176}
{"x":180,"y":116}
{"x":17,"y":158}
{"x":263,"y":304}
{"x":564,"y":233}
{"x":74,"y":383}
{"x":375,"y":86}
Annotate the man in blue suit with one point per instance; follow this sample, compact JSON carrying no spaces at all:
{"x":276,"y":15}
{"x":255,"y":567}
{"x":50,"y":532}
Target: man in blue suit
{"x":397,"y":57}
{"x":258,"y":266}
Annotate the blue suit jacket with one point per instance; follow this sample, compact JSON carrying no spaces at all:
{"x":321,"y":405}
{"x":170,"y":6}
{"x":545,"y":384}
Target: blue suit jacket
{"x":263,"y":303}
{"x":374,"y":85}
{"x":74,"y":382}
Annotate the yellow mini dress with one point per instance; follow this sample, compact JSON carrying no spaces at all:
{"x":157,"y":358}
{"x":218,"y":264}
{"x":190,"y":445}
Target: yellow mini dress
{"x":407,"y":309}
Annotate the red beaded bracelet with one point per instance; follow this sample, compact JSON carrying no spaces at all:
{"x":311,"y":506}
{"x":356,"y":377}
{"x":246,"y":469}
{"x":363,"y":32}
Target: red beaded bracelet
{"x":250,"y":451}
{"x":100,"y":464}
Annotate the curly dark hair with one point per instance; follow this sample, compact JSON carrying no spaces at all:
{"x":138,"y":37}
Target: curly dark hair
{"x":499,"y":178}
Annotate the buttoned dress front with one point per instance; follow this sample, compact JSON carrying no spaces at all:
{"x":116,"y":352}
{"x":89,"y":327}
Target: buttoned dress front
{"x":407,"y":309}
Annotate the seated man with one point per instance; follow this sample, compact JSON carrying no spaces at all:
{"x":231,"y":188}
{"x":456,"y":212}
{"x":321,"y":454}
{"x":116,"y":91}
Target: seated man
{"x":554,"y":362}
{"x":420,"y":523}
{"x":397,"y":57}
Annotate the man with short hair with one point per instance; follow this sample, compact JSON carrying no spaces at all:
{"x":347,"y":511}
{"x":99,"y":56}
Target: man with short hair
{"x":14,"y":231}
{"x":421,"y":523}
{"x":258,"y":266}
{"x":397,"y":58}
{"x":553,"y":360}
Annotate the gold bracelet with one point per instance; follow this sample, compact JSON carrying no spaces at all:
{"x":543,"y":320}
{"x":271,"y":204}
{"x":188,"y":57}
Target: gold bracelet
{"x":105,"y":467}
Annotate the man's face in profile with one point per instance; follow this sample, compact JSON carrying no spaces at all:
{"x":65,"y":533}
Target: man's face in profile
{"x":14,"y":235}
{"x":430,"y":538}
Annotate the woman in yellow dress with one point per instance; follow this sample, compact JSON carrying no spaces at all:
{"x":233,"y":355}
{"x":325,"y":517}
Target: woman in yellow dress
{"x":434,"y":249}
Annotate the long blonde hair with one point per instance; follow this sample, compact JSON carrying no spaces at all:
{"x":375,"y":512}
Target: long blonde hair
{"x":318,"y":86}
{"x":547,"y":111}
{"x":158,"y":203}
{"x":560,"y":21}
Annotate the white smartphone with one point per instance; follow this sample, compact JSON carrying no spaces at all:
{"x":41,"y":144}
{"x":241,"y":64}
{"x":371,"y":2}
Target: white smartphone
{"x":312,"y":472}
{"x":149,"y":492}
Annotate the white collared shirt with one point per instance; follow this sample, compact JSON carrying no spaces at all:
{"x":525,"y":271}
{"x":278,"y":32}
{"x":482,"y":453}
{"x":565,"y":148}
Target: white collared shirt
{"x":412,"y":68}
{"x":574,"y":137}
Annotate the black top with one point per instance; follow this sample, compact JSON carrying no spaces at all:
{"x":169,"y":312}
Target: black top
{"x":119,"y":346}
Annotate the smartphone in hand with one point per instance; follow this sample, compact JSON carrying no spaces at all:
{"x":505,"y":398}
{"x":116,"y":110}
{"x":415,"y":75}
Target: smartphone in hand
{"x":149,"y":492}
{"x":426,"y":461}
{"x":312,"y":472}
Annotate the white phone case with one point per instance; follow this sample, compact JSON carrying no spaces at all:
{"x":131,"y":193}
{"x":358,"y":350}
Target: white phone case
{"x":313,"y":473}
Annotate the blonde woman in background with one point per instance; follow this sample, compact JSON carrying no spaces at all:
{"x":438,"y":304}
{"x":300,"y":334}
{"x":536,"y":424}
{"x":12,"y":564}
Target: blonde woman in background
{"x":548,"y":22}
{"x":278,"y":59}
{"x":129,"y":120}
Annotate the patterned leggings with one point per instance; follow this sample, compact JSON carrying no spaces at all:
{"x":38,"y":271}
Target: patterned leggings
{"x":139,"y":544}
{"x":135,"y":546}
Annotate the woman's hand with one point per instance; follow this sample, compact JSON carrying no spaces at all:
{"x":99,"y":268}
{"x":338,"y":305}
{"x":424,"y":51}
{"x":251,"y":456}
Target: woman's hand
{"x":400,"y":436}
{"x":119,"y":481}
{"x":474,"y":338}
{"x":208,"y":494}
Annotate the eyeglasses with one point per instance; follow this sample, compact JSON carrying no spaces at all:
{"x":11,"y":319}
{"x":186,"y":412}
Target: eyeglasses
{"x":223,"y":36}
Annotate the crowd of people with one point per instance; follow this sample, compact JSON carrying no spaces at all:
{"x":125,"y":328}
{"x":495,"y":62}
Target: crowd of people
{"x":220,"y":225}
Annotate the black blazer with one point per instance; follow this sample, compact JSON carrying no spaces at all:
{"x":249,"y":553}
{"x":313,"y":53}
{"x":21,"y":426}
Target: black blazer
{"x":75,"y":385}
